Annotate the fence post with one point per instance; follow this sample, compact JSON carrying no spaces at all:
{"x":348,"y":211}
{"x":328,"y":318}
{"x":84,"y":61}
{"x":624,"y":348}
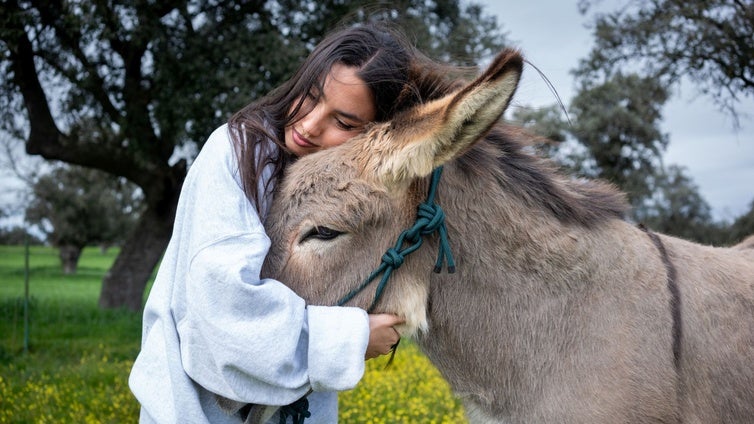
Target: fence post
{"x":26,"y":292}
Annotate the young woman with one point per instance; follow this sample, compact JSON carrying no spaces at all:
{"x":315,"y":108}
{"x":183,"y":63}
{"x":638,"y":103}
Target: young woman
{"x":212,"y":326}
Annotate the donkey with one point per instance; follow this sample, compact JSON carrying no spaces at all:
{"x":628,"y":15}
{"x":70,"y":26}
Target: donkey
{"x":746,"y":243}
{"x":559,"y":310}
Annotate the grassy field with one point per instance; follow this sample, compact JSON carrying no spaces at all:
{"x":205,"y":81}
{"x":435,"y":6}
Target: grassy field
{"x":79,"y":357}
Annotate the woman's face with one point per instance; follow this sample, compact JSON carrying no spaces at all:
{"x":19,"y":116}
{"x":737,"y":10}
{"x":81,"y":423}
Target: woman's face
{"x":330,"y":118}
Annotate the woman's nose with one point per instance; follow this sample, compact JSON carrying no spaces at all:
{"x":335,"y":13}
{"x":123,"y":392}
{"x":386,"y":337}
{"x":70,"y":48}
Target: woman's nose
{"x":312,"y":122}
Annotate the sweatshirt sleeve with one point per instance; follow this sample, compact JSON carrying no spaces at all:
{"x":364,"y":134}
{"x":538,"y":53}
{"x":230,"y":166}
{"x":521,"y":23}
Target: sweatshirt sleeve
{"x":241,"y":336}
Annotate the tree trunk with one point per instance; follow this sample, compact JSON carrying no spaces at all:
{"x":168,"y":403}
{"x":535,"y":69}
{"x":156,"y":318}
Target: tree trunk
{"x":124,"y":284}
{"x":69,"y":258}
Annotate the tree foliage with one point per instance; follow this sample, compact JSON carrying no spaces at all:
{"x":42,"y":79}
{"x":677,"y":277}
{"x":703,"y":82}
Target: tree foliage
{"x":614,"y":133}
{"x":743,"y":226}
{"x":618,"y":122}
{"x":134,"y":88}
{"x":709,"y":41}
{"x":17,"y":236}
{"x":77,"y":207}
{"x":665,"y":41}
{"x":546,"y":122}
{"x":677,"y":208}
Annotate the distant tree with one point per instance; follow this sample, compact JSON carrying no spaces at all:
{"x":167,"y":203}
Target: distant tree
{"x":546,"y":122}
{"x":76,"y":207}
{"x":15,"y":236}
{"x":677,"y":208}
{"x":134,"y":88}
{"x":18,"y":171}
{"x":612,"y":131}
{"x":743,"y":226}
{"x":618,"y":121}
{"x":614,"y":134}
{"x":708,"y":41}
{"x":552,"y":134}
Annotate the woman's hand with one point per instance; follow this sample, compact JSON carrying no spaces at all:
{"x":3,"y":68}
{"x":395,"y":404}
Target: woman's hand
{"x":382,"y":335}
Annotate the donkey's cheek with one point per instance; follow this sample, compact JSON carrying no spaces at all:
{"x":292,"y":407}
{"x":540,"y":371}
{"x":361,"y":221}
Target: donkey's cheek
{"x":411,"y":305}
{"x":313,"y":252}
{"x":312,"y":271}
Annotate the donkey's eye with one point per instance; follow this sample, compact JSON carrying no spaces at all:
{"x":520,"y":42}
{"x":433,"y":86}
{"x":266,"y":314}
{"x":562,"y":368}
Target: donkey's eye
{"x":320,"y":233}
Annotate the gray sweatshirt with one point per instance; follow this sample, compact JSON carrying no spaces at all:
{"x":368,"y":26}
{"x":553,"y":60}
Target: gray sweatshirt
{"x":213,"y":326}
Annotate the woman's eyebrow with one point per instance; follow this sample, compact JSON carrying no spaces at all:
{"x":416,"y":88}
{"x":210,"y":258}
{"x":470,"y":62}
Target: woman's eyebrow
{"x":350,"y":116}
{"x":344,"y":114}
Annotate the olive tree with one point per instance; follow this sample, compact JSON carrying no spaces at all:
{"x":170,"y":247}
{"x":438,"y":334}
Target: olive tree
{"x":77,"y":207}
{"x":134,"y":88}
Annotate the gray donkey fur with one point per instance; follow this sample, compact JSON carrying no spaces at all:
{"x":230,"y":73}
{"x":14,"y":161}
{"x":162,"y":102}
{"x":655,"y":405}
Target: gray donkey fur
{"x":560,"y":310}
{"x":747,"y":243}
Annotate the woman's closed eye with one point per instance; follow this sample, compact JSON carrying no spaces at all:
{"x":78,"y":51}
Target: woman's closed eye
{"x":345,"y":126}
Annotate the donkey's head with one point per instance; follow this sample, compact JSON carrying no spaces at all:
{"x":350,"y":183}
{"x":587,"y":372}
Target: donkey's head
{"x":339,"y":210}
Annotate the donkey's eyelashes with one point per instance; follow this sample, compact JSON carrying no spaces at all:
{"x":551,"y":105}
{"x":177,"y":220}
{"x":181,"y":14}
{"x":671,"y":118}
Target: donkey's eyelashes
{"x":320,"y":233}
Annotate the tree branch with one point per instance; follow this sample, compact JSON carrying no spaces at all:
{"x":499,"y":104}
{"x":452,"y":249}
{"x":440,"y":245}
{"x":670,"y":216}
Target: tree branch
{"x":44,"y":137}
{"x":71,"y":40}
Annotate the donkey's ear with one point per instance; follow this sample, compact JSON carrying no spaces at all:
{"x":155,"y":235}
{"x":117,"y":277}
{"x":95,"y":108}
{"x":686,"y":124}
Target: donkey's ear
{"x":434,"y":133}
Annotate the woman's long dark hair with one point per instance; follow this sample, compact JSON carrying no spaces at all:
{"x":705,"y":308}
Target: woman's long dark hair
{"x":387,"y":64}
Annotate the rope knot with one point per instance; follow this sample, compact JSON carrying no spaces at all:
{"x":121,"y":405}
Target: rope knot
{"x":433,"y":216}
{"x":413,"y":235}
{"x":393,"y":258}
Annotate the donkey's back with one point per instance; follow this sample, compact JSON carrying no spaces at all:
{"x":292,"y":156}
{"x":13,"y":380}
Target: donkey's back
{"x":716,"y":310}
{"x":634,"y":327}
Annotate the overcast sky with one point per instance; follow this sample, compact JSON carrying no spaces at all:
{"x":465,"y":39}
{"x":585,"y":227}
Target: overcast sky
{"x":554,"y":36}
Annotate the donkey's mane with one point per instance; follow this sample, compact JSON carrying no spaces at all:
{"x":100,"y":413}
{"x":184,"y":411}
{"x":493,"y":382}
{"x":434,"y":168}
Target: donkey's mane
{"x":535,"y":180}
{"x":539,"y":182}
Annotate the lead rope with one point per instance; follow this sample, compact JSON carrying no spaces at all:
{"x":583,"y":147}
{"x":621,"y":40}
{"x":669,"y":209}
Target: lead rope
{"x":430,"y":219}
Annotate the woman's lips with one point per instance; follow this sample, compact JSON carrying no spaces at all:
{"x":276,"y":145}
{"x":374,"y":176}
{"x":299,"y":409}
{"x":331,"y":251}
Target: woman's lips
{"x":300,"y":140}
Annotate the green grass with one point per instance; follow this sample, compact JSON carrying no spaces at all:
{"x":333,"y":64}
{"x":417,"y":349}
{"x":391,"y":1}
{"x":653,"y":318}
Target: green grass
{"x":77,"y":364}
{"x":79,"y":357}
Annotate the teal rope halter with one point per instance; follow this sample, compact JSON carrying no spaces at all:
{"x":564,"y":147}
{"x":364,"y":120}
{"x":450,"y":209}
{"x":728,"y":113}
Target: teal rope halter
{"x":430,"y":218}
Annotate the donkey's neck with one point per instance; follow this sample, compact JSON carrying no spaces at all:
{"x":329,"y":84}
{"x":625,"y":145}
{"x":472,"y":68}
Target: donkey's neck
{"x":503,"y":163}
{"x":524,"y":239}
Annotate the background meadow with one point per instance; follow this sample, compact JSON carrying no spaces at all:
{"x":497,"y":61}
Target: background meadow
{"x":76,"y":368}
